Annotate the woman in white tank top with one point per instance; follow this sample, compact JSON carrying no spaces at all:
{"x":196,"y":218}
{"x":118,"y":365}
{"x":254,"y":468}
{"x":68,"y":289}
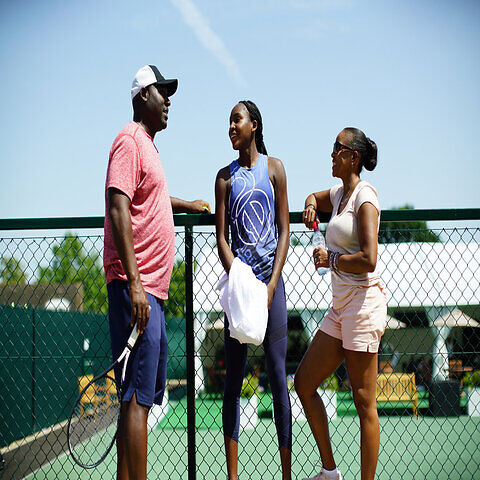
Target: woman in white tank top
{"x":353,"y":327}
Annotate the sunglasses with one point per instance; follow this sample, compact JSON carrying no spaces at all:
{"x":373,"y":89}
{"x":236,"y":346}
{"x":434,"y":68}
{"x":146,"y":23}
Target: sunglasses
{"x":337,"y":146}
{"x":162,"y":91}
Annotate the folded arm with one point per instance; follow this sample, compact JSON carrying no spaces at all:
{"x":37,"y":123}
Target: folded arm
{"x":365,"y":260}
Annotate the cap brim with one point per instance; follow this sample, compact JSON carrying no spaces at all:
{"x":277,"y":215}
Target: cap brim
{"x":171,"y":85}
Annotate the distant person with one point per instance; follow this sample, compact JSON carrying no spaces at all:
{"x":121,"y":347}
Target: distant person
{"x":251,"y":201}
{"x":353,"y":327}
{"x":138,"y":260}
{"x":410,"y":366}
{"x":424,"y":371}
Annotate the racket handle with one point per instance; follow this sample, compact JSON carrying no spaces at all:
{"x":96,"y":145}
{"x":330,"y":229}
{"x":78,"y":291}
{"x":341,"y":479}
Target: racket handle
{"x":133,"y":337}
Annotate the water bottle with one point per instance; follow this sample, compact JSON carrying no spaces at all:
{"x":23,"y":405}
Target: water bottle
{"x":318,"y":241}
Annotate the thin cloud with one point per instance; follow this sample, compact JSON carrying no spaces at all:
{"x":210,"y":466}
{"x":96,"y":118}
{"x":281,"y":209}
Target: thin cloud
{"x":319,"y":4}
{"x":303,"y":5}
{"x":210,"y":40}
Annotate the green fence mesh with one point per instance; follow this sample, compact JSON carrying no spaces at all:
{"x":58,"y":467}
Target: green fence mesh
{"x":54,"y":330}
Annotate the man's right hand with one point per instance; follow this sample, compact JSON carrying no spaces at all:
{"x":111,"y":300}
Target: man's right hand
{"x":140,"y":306}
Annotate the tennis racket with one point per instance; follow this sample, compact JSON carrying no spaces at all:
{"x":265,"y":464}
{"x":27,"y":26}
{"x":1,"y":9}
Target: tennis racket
{"x":93,"y":422}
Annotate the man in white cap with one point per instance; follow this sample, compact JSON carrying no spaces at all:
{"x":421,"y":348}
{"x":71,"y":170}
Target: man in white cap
{"x":138,"y":260}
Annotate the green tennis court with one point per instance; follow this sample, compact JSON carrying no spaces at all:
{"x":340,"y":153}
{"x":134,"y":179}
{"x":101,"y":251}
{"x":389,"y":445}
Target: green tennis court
{"x":427,"y":448}
{"x":209,"y":409}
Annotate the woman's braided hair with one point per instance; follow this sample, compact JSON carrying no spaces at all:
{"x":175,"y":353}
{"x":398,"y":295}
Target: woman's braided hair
{"x":254,"y":113}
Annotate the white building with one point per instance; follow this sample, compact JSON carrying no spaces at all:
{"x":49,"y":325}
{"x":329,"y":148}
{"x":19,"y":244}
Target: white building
{"x":435,"y":277}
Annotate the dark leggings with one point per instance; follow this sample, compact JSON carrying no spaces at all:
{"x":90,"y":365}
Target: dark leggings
{"x":275,"y":346}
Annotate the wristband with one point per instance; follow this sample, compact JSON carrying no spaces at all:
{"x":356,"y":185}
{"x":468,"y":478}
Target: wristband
{"x":330,"y":259}
{"x":335,"y":261}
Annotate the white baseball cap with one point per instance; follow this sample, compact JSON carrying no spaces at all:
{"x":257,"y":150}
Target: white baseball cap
{"x":149,"y":75}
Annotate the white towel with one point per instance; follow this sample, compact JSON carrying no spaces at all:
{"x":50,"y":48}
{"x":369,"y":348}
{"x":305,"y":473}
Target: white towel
{"x":245,"y":301}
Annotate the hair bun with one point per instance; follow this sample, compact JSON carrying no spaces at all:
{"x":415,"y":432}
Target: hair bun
{"x":370,"y":160}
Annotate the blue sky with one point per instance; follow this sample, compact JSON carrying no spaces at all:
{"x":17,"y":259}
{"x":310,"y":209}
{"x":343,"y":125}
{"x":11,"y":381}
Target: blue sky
{"x":407,"y":73}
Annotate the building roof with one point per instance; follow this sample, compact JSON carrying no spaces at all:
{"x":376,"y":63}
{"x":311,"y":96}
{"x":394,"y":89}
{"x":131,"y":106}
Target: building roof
{"x":455,"y":318}
{"x":43,"y":295}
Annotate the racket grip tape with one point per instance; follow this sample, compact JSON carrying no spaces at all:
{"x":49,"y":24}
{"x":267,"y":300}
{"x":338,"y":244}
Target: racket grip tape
{"x":133,"y":337}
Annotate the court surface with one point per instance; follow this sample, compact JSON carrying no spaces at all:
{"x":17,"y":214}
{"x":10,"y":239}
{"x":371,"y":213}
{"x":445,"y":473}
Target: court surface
{"x":428,"y":448}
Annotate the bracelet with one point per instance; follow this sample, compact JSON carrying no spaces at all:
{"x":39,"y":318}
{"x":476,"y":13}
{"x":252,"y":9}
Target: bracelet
{"x":333,"y":260}
{"x":310,"y":205}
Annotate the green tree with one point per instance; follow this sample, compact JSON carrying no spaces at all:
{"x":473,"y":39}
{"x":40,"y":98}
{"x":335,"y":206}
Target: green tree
{"x":406,"y":232}
{"x":70,"y":264}
{"x":11,"y":271}
{"x":175,"y":305}
{"x":298,"y":240}
{"x":295,"y":241}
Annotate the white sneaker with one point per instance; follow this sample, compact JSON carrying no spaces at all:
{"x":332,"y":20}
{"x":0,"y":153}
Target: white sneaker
{"x":322,"y":476}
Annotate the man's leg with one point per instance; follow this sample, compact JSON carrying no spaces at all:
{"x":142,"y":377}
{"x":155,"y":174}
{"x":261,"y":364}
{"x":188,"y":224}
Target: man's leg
{"x":136,"y":439}
{"x":119,"y":319}
{"x":132,"y":441}
{"x":141,"y":378}
{"x":122,"y":468}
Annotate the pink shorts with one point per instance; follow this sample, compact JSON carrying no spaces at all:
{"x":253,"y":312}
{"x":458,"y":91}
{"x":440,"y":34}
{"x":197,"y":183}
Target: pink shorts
{"x":360,"y":321}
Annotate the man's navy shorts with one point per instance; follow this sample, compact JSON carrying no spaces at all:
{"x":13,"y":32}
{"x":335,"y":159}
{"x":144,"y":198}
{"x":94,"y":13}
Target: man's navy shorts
{"x":147,"y":367}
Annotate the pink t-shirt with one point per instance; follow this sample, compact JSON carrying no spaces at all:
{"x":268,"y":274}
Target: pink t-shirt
{"x":134,"y":168}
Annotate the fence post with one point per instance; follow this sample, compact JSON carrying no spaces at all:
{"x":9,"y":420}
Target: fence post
{"x":34,"y":371}
{"x":190,"y":347}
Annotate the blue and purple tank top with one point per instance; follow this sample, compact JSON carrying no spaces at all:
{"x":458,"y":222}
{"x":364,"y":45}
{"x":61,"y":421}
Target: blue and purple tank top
{"x":252,"y":217}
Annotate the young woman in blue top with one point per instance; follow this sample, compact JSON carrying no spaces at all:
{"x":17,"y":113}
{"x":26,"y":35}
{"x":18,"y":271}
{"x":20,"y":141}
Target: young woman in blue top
{"x":251,"y":202}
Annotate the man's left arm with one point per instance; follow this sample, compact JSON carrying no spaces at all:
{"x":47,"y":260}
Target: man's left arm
{"x":195,"y":206}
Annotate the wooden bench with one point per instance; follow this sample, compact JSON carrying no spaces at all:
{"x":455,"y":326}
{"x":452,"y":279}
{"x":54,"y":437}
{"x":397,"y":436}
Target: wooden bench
{"x":397,"y":387}
{"x":96,"y":394}
{"x":175,"y":382}
{"x":89,"y":401}
{"x":106,"y":393}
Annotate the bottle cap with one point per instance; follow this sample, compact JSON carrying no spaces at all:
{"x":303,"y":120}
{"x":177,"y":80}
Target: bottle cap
{"x":315,"y":225}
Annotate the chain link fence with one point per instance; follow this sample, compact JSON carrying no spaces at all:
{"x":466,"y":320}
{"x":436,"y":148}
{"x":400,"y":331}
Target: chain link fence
{"x":53,"y":308}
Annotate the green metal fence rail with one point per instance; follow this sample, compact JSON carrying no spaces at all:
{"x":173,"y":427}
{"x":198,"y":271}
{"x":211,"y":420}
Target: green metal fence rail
{"x":196,"y":220}
{"x":53,"y":322}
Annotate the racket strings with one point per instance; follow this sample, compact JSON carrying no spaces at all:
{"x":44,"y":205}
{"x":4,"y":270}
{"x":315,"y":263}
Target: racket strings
{"x":93,"y":428}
